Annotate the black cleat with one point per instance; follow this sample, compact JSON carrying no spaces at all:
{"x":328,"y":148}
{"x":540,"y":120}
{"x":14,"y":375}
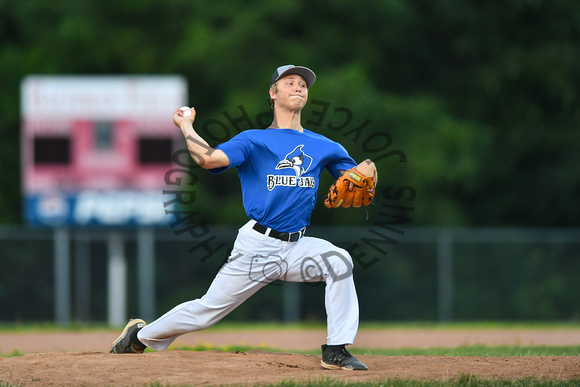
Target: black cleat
{"x":126,"y":342}
{"x":336,"y":357}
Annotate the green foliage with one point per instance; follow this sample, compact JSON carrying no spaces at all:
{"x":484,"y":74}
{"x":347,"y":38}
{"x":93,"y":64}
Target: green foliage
{"x":26,"y":264}
{"x":481,"y":97}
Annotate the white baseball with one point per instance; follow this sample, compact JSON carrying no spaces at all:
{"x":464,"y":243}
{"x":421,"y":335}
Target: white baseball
{"x":186,"y":111}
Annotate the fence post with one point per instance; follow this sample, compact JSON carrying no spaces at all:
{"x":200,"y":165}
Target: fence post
{"x":445,"y":275}
{"x":62,"y":276}
{"x":82,"y":278}
{"x":117,"y":278}
{"x":146,"y":273}
{"x":291,"y":302}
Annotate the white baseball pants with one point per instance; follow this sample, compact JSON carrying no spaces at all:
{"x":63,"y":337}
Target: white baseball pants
{"x":255,"y":261}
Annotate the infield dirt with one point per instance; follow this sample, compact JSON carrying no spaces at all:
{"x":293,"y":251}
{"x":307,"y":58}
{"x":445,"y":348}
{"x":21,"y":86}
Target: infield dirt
{"x":76,"y":358}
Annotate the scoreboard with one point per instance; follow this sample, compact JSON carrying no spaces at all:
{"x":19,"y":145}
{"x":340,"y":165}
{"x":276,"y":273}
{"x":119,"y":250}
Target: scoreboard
{"x":95,"y":148}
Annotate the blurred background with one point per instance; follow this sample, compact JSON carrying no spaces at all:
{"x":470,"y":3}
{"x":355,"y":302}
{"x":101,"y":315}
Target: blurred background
{"x":471,"y":111}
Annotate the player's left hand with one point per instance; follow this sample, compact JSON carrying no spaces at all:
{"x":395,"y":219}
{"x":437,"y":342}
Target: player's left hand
{"x":354,"y":188}
{"x":368,"y":168}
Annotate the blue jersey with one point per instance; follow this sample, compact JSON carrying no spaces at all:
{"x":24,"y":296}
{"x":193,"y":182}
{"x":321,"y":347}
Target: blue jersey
{"x":279,"y":171}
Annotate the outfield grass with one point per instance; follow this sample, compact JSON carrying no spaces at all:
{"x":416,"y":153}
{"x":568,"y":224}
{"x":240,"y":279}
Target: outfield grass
{"x":472,"y":350}
{"x":277,"y":326}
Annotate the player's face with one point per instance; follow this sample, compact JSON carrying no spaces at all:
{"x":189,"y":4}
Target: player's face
{"x":291,"y":92}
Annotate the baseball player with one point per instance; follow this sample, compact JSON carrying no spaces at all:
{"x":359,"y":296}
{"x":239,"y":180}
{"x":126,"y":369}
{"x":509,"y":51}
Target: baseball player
{"x":279,"y":169}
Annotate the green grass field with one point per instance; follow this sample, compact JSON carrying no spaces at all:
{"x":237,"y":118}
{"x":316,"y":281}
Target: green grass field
{"x":276,"y":326}
{"x":476,"y":350}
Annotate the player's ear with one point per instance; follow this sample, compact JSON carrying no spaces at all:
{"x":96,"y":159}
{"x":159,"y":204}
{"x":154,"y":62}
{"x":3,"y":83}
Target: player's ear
{"x":272,"y":93}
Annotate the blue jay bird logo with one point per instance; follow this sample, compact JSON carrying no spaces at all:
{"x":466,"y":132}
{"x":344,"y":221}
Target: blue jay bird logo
{"x":297,"y":160}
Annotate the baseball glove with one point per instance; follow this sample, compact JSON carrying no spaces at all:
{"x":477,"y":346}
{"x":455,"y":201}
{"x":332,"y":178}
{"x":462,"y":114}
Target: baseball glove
{"x":340,"y":194}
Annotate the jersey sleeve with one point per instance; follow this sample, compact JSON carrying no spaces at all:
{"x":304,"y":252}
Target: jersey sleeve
{"x":342,"y":162}
{"x":237,"y":149}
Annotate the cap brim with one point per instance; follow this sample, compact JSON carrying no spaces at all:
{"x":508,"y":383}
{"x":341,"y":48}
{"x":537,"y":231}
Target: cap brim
{"x":304,"y":72}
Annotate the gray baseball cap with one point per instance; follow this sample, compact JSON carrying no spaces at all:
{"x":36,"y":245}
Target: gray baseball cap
{"x":304,"y":72}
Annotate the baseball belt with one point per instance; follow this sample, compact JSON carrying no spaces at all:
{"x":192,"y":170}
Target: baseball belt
{"x":283,"y":236}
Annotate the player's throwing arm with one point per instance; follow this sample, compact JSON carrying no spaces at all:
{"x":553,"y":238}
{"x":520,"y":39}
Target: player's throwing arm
{"x":204,"y":155}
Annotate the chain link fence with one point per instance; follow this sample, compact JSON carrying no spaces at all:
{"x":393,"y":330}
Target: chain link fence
{"x":425,"y":274}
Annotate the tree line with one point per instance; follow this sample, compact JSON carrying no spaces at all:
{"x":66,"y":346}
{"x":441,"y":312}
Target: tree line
{"x":480,"y":99}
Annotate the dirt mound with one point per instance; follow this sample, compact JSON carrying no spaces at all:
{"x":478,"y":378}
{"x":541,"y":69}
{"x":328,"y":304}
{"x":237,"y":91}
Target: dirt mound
{"x":257,"y":367}
{"x":82,"y":358}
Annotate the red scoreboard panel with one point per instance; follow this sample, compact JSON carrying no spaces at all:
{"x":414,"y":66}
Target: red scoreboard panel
{"x":95,"y":148}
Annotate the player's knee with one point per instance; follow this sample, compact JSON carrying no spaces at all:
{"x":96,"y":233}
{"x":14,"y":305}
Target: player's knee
{"x":340,"y":264}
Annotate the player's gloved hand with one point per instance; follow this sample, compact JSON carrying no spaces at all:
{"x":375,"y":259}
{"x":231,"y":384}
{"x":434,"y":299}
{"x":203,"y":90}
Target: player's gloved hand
{"x":352,"y":189}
